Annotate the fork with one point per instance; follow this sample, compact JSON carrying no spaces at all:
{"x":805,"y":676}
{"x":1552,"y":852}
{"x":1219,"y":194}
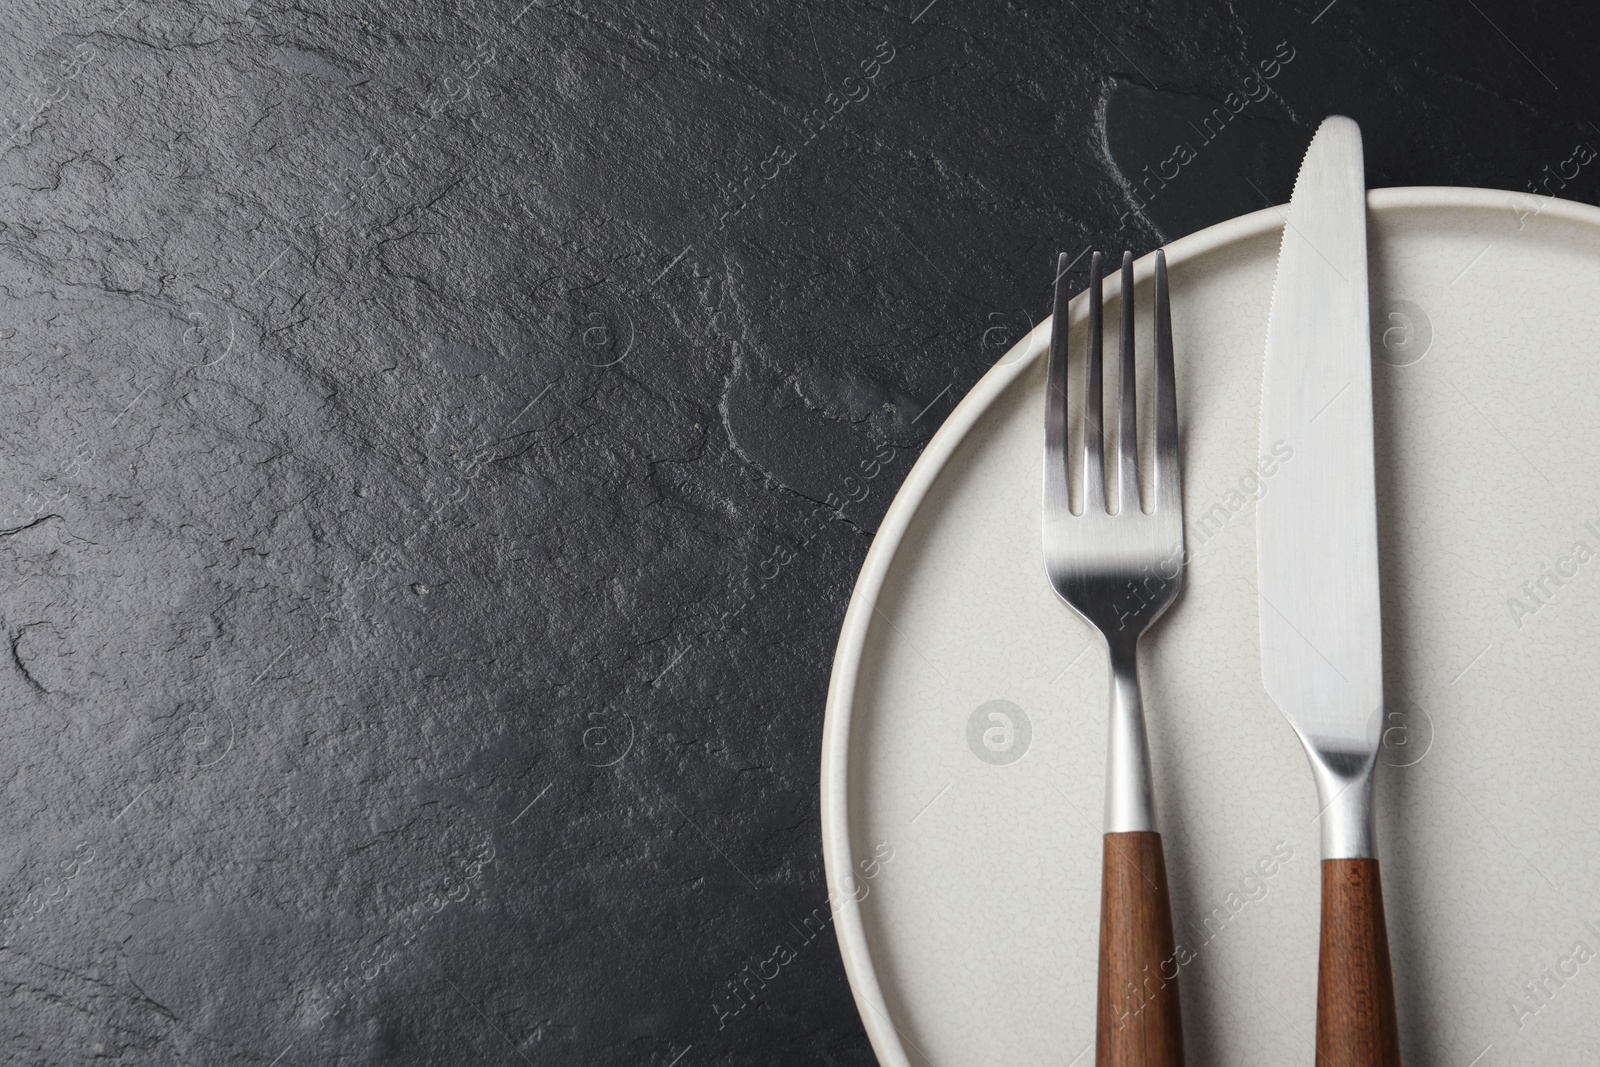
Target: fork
{"x":1120,"y":570}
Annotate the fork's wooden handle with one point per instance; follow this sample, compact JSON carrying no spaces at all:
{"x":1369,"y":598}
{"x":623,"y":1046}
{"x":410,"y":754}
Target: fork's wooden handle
{"x":1355,"y":989}
{"x":1138,"y":1024}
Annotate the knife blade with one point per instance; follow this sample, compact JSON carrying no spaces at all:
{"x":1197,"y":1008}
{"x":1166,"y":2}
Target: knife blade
{"x":1317,"y":575}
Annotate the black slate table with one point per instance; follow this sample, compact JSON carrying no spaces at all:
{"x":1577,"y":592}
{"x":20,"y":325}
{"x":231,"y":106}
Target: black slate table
{"x":440,"y":441}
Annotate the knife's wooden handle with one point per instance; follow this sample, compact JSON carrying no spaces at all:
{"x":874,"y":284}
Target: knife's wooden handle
{"x":1355,"y":989}
{"x":1138,"y":1022}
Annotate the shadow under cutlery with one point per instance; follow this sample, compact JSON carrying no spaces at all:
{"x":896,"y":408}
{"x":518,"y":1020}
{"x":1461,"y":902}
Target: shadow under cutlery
{"x":1398,"y":783}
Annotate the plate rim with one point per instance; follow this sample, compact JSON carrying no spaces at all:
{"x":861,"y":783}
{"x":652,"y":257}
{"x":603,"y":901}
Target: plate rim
{"x":837,"y":859}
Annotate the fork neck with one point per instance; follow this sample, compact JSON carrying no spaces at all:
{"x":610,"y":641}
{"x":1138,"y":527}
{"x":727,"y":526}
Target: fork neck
{"x":1122,"y":650}
{"x":1130,"y":804}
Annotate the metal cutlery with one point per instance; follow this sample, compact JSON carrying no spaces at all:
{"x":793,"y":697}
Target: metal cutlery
{"x":1120,"y":570}
{"x":1317,"y":560}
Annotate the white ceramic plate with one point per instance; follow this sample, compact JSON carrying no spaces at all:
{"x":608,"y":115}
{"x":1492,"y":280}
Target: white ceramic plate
{"x":965,"y":888}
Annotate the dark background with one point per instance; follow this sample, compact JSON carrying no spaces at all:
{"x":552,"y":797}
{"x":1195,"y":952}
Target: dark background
{"x":425,"y":434}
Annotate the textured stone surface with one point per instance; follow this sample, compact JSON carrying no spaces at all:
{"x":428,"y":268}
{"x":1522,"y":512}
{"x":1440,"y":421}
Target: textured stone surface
{"x":420,"y":427}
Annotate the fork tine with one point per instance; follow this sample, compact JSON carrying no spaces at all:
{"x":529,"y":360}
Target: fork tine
{"x":1168,"y":493}
{"x":1127,"y":421}
{"x":1056,"y":487}
{"x":1094,"y":468}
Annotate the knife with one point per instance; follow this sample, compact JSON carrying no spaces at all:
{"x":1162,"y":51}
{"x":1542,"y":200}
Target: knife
{"x":1317,"y":572}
